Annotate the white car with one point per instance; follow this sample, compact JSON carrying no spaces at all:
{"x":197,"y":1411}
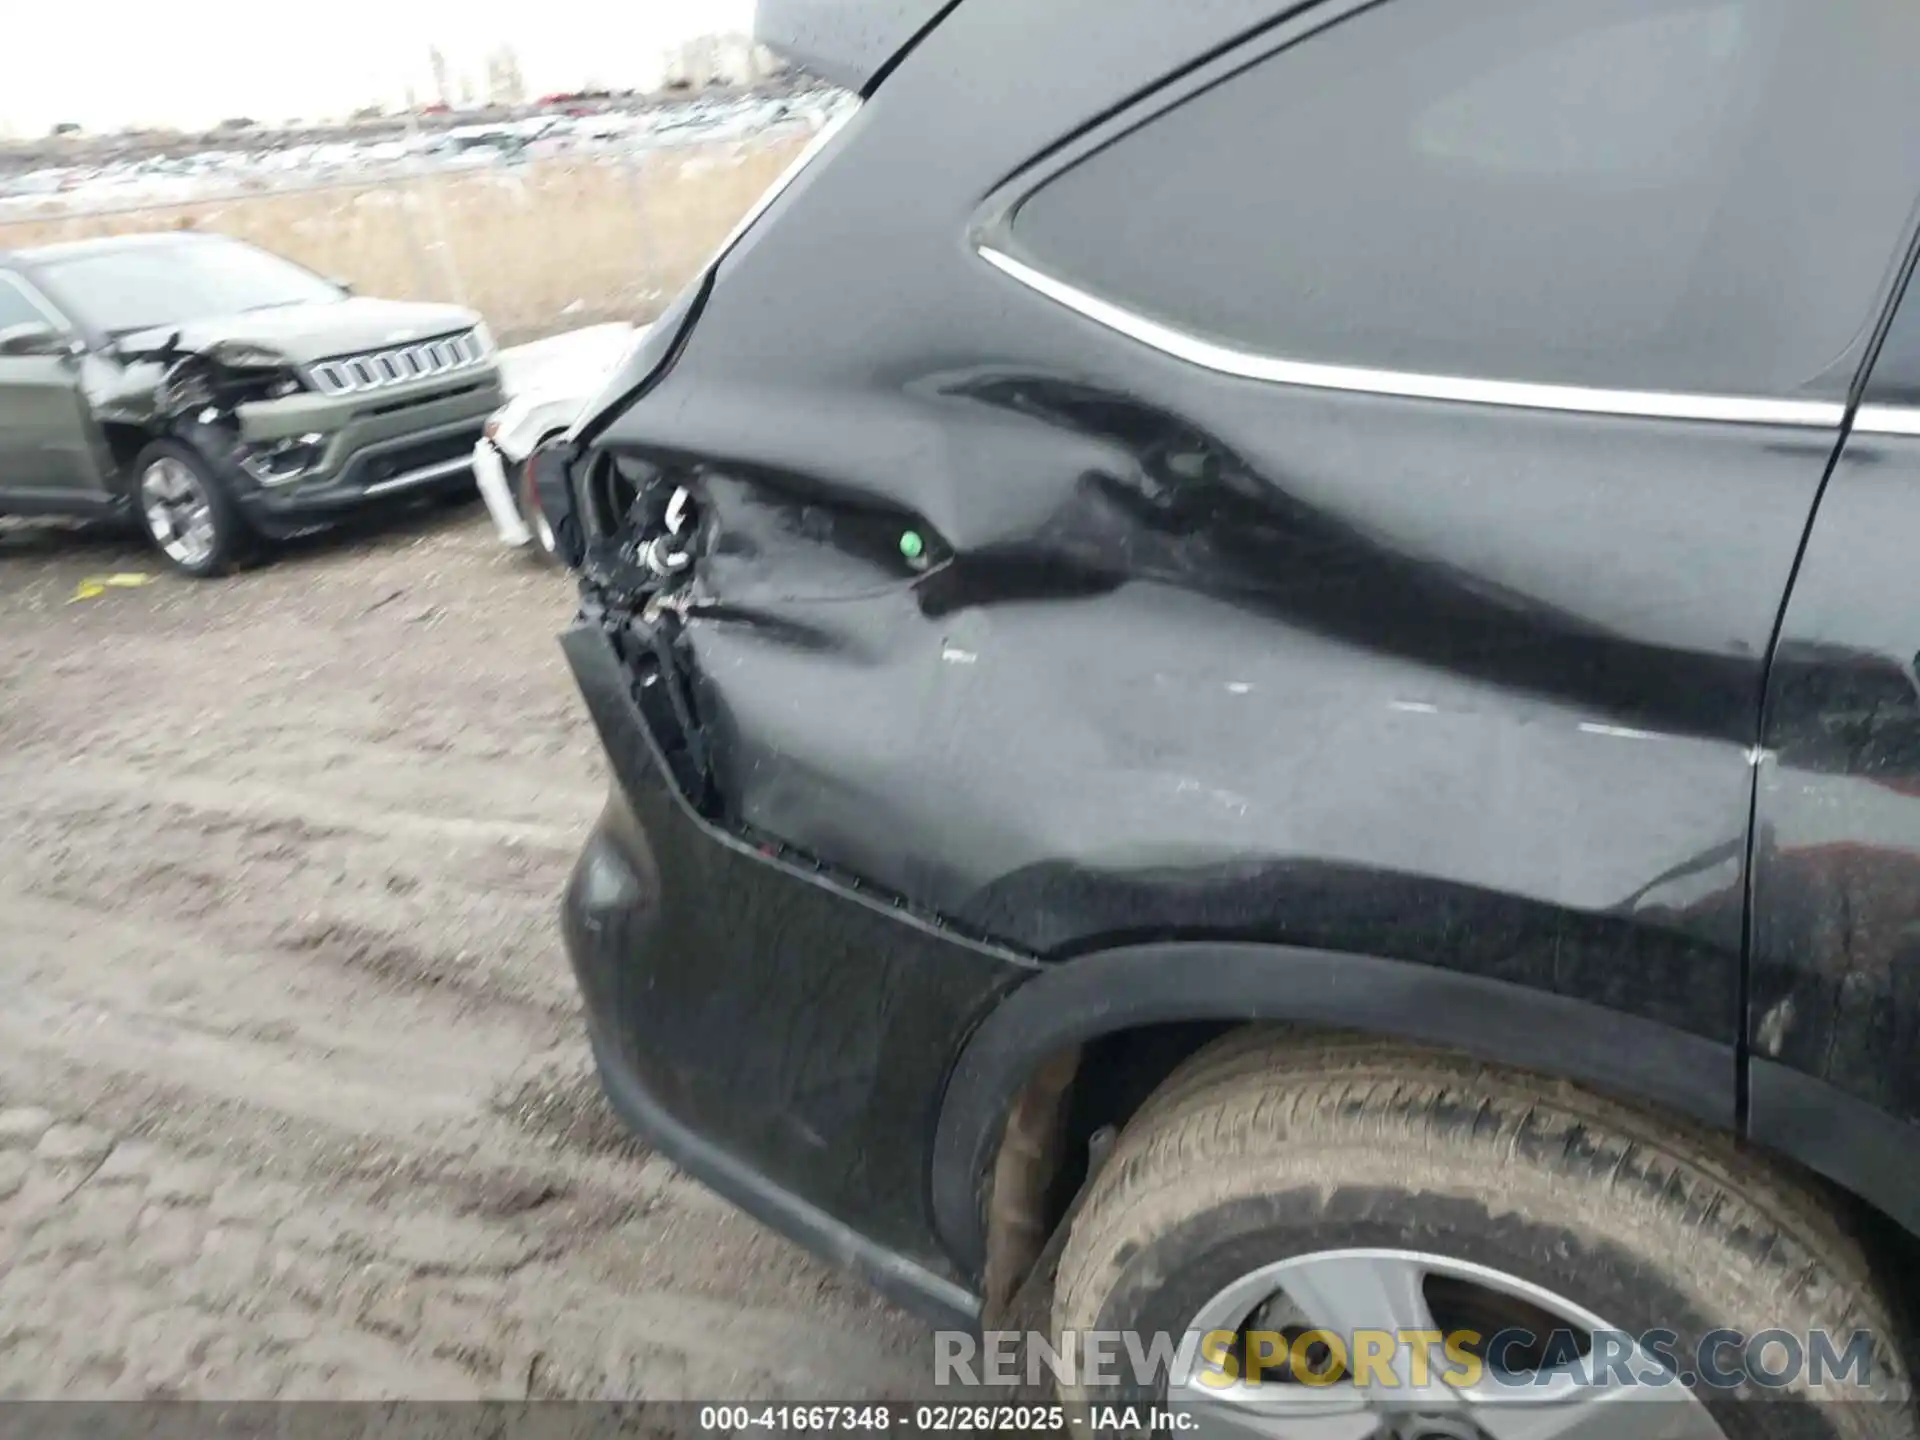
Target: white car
{"x":547,"y":384}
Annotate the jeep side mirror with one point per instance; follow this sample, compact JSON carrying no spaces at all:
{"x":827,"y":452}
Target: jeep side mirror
{"x":34,"y":340}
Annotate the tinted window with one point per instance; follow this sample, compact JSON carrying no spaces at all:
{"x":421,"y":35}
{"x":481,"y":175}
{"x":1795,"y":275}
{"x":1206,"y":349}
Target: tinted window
{"x":1688,"y":195}
{"x":15,"y":307}
{"x":146,"y":286}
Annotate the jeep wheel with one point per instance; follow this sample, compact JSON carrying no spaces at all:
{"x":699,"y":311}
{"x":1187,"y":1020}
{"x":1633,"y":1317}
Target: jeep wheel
{"x":186,"y":510}
{"x":1277,"y":1186}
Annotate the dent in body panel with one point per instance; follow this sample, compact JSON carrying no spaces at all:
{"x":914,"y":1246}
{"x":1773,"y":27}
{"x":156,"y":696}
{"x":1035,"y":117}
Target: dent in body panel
{"x":122,"y":394}
{"x":1836,"y":983}
{"x":1178,"y":654}
{"x":174,"y":374}
{"x":1172,"y":687}
{"x":201,"y":392}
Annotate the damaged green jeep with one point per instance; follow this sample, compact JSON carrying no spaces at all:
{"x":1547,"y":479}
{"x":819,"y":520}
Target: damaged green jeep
{"x":224,"y":395}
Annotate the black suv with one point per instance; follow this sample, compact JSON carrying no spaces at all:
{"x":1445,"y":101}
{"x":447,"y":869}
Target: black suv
{"x":1260,"y":659}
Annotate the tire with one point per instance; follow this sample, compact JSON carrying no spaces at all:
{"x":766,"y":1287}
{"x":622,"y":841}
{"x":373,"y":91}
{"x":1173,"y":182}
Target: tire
{"x":542,"y":546}
{"x":1275,"y":1147}
{"x":228,"y":540}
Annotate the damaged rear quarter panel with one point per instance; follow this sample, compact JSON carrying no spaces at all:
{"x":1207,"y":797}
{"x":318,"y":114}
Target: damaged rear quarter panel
{"x":1196,"y":657}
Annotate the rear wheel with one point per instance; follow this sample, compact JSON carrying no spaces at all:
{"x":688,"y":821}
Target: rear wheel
{"x":187,"y":511}
{"x":1306,"y":1201}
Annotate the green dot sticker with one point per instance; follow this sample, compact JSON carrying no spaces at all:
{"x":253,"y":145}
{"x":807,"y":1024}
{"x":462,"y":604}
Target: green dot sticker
{"x":911,"y":545}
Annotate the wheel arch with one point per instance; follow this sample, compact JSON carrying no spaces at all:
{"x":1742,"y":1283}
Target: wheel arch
{"x":125,"y":439}
{"x":1184,"y":993}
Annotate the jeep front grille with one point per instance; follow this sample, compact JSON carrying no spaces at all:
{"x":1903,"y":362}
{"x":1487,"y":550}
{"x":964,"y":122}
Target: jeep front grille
{"x":357,"y":374}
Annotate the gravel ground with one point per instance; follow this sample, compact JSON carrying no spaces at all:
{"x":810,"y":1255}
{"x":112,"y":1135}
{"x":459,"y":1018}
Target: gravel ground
{"x":294,"y":1099}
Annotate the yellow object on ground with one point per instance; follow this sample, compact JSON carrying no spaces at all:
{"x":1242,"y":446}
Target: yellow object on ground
{"x":96,"y":585}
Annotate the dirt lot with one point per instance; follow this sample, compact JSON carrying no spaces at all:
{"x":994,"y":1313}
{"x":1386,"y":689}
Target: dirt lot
{"x":293,"y":1097}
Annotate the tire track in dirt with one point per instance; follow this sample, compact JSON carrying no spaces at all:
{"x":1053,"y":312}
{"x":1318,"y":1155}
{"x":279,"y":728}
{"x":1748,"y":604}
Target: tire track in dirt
{"x":466,"y":914}
{"x":403,"y":1119}
{"x":279,"y":865}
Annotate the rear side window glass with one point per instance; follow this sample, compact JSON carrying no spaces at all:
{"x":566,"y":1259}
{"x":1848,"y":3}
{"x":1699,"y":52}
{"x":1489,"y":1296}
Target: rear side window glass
{"x":15,"y":307}
{"x":1685,"y":195}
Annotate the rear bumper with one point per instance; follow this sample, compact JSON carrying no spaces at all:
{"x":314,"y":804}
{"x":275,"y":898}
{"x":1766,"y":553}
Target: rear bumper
{"x":785,"y":1041}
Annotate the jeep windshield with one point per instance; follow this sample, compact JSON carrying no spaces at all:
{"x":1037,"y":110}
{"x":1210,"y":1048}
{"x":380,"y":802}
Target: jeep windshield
{"x":119,"y":292}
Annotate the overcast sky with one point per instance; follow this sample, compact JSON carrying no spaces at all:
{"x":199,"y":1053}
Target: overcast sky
{"x":106,"y":63}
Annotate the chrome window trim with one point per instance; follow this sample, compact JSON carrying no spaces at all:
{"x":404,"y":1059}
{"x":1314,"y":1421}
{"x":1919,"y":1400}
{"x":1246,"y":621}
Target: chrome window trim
{"x":1887,"y":420}
{"x":1515,"y":395}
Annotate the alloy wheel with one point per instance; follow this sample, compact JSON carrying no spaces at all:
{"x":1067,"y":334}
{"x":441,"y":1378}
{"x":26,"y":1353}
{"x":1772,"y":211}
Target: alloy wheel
{"x":178,"y":510}
{"x":1545,"y":1394}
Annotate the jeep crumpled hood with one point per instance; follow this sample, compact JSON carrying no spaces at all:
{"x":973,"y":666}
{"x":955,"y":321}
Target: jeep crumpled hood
{"x":302,"y":334}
